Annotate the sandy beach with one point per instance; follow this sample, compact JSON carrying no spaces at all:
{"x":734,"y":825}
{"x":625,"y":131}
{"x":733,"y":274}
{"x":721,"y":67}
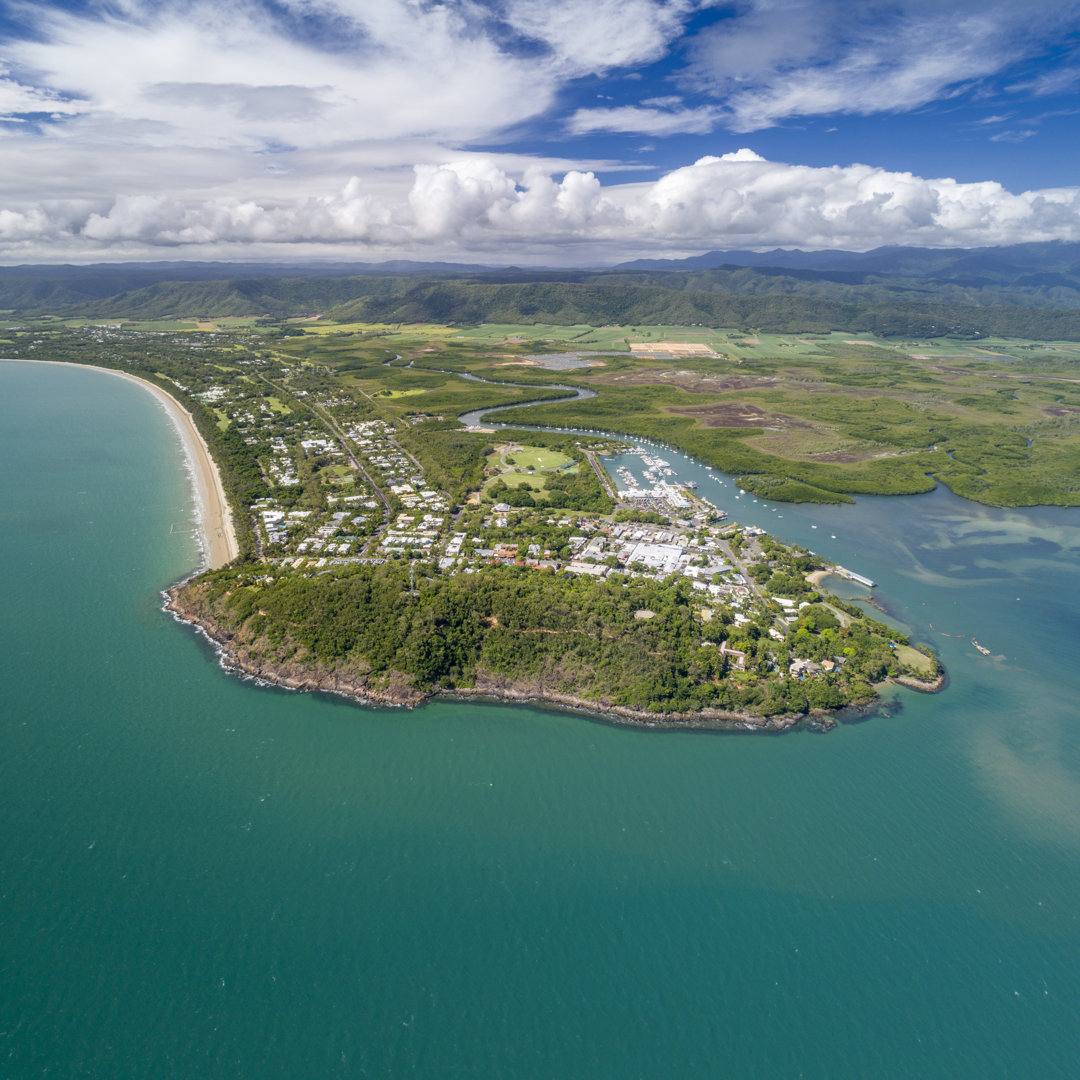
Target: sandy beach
{"x":215,"y":518}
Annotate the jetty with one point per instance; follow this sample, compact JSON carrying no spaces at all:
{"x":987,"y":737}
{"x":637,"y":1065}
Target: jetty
{"x":852,"y":576}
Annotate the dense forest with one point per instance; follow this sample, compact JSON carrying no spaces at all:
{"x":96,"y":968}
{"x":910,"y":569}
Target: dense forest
{"x":540,"y":632}
{"x":1032,"y":293}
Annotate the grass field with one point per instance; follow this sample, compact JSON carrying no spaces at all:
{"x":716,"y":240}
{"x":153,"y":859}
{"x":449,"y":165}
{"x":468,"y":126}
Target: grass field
{"x":339,"y":472}
{"x":914,"y":659}
{"x":161,"y":324}
{"x":535,"y":457}
{"x":518,"y":479}
{"x":390,"y":332}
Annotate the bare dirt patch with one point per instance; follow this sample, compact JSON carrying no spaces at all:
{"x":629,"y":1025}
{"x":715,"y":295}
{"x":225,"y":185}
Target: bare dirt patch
{"x":691,"y":382}
{"x":738,"y":414}
{"x":671,"y":348}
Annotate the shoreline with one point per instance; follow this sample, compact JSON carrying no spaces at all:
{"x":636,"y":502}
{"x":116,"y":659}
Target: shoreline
{"x":215,"y":523}
{"x":238,"y":659}
{"x":293,"y":676}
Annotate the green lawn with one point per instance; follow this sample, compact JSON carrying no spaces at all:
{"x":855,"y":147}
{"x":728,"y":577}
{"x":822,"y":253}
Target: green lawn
{"x":517,"y":479}
{"x":914,"y":659}
{"x":535,"y":457}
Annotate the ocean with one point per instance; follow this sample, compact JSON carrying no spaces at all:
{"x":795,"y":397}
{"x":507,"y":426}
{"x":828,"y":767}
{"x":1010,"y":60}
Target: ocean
{"x":203,"y":877}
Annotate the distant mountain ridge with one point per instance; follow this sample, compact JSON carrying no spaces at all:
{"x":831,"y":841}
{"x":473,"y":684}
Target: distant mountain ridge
{"x":36,"y":288}
{"x":912,"y":261}
{"x":1030,"y":290}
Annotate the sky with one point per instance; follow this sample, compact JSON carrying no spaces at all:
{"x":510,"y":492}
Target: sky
{"x":532,"y":132}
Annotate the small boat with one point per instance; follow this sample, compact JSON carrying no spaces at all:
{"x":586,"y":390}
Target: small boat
{"x":982,"y":648}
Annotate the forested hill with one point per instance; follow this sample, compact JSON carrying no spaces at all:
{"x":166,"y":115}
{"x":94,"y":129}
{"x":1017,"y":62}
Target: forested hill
{"x":1036,"y":265}
{"x":1004,"y":303}
{"x":64,"y":289}
{"x":602,"y":304}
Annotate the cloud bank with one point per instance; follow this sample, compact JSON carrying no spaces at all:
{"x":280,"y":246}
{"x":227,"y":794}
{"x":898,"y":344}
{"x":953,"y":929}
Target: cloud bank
{"x":238,"y":128}
{"x":474,"y":205}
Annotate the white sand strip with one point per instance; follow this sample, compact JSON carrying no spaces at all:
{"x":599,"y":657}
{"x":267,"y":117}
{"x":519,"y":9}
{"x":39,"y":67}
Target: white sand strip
{"x":215,"y":518}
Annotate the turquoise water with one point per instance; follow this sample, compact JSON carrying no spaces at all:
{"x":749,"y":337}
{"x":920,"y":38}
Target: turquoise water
{"x":200,"y":877}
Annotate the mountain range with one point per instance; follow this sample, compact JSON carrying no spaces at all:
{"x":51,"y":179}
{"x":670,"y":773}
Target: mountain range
{"x":1028,"y":290}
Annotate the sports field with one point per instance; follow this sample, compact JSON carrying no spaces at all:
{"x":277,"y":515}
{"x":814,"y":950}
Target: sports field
{"x":534,"y":457}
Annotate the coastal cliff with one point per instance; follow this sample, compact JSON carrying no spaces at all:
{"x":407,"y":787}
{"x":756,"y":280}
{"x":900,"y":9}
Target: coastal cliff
{"x":653,"y":673}
{"x":395,"y":688}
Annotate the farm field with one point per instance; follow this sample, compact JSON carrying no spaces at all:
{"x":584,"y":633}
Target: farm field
{"x":795,"y":416}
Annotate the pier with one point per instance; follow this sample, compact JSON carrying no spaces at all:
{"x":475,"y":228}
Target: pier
{"x":852,"y":576}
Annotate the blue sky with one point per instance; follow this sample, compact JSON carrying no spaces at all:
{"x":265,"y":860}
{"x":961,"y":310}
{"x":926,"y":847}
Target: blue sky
{"x":532,"y":131}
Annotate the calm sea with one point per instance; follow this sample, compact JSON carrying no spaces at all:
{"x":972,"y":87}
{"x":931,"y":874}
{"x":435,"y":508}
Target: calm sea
{"x":202,"y":878}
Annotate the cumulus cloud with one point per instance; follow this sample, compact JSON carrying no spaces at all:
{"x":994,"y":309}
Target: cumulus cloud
{"x":348,"y":215}
{"x":473,"y":204}
{"x":229,"y":126}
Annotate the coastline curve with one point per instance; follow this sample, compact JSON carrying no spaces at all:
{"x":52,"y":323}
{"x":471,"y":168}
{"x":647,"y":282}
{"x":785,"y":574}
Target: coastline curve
{"x":214,"y":516}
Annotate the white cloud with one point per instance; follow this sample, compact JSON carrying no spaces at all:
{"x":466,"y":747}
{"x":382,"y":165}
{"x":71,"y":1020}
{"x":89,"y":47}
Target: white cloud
{"x":645,"y":121}
{"x":780,"y":59}
{"x":1061,"y":81}
{"x":225,"y":75}
{"x":18,"y":98}
{"x":588,"y":36}
{"x":1014,"y":135}
{"x":232,"y":126}
{"x":473,"y":204}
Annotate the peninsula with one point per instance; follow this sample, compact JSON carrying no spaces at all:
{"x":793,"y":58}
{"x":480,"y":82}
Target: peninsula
{"x":380,"y":549}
